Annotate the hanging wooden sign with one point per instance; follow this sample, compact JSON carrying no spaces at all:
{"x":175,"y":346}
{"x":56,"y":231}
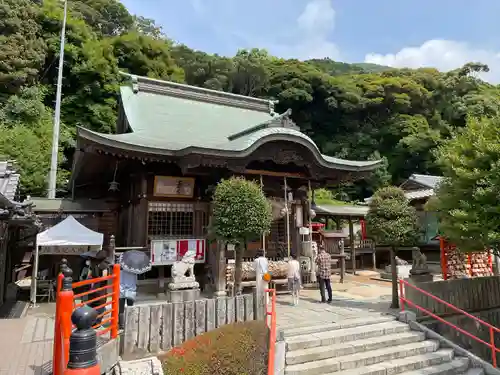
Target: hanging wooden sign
{"x":173,"y":187}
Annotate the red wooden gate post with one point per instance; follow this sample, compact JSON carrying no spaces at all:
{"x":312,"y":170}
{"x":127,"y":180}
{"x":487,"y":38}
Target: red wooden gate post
{"x":65,"y":310}
{"x":57,"y":327}
{"x":115,"y":301}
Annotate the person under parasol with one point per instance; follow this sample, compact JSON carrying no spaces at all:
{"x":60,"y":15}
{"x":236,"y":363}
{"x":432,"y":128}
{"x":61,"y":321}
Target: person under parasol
{"x":132,"y":263}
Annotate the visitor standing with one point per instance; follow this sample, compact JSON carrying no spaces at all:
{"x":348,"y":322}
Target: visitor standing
{"x":85,"y":274}
{"x":100,"y":268}
{"x":128,"y":293}
{"x":294,"y":278}
{"x":324,"y":272}
{"x":261,"y":270}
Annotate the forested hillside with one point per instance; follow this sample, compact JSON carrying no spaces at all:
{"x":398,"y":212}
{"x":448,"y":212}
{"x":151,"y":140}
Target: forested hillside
{"x":354,"y":111}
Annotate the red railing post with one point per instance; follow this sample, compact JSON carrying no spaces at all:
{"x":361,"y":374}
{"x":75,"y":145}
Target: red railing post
{"x":115,"y":301}
{"x":272,"y":331}
{"x":65,"y":310}
{"x":83,"y":344}
{"x":56,"y":368}
{"x":493,"y":348}
{"x":401,"y":294}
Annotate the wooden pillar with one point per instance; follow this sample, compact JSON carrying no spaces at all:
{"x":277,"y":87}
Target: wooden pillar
{"x":111,"y":249}
{"x":220,"y":270}
{"x":4,"y":238}
{"x":337,"y":223}
{"x":263,"y":234}
{"x":143,"y":211}
{"x":342,"y":260}
{"x":160,"y":293}
{"x":353,"y":248}
{"x":444,"y":260}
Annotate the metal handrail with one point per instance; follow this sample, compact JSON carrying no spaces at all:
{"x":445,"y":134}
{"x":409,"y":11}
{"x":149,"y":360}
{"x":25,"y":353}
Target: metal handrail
{"x":272,"y":330}
{"x":492,"y":329}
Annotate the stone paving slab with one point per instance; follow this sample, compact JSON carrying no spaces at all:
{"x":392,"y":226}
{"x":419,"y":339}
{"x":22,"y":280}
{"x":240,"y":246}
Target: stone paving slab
{"x":26,"y":346}
{"x":355,"y":298}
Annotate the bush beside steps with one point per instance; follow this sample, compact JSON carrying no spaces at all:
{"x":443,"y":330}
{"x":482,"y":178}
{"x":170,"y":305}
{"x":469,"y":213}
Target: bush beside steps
{"x":234,"y":349}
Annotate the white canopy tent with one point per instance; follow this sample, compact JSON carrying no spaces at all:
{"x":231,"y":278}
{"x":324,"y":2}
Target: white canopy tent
{"x":67,"y":233}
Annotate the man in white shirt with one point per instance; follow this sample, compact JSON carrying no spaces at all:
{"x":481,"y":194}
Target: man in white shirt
{"x":261,"y":268}
{"x":294,"y":278}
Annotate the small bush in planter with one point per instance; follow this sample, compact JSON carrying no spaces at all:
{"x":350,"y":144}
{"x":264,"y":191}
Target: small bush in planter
{"x":234,"y":349}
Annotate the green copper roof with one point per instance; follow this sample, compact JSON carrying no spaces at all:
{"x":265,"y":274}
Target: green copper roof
{"x":167,"y":118}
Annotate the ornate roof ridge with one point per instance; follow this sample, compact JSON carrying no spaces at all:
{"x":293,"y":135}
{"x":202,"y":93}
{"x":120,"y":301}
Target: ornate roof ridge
{"x":280,"y":121}
{"x":161,"y":87}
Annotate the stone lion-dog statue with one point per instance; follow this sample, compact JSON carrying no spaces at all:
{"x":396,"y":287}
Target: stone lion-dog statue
{"x":183,"y":270}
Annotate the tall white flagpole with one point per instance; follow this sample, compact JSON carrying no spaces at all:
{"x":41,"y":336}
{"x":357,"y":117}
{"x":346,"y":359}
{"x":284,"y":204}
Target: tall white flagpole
{"x":51,"y":193}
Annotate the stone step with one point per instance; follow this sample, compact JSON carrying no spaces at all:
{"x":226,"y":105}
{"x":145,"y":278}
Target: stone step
{"x":346,"y":348}
{"x":474,"y":371}
{"x":349,"y":323}
{"x":358,"y":360}
{"x":456,"y":366}
{"x":344,"y":335}
{"x":399,"y":366}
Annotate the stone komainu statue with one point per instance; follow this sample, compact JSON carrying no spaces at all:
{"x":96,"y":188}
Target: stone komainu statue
{"x":419,"y":260}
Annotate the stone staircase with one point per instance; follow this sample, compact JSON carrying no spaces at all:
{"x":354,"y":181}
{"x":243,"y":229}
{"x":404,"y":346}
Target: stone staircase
{"x":375,"y":345}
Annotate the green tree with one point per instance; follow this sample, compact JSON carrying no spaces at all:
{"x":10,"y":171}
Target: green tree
{"x":26,"y":137}
{"x":22,"y":49}
{"x":468,"y":200}
{"x":105,"y":17}
{"x":393,"y":222}
{"x":142,"y":55}
{"x":241,"y":213}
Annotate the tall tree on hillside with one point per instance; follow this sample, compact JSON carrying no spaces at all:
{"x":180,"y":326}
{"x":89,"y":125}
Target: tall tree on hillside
{"x":391,"y":221}
{"x":468,"y":200}
{"x":142,"y":55}
{"x":105,"y":17}
{"x":22,"y":48}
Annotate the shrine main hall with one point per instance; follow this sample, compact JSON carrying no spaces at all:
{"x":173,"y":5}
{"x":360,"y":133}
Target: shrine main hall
{"x":173,"y":144}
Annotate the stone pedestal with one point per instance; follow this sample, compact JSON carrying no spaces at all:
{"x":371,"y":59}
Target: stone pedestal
{"x":183,"y":295}
{"x":420,"y":277}
{"x":403,"y":272}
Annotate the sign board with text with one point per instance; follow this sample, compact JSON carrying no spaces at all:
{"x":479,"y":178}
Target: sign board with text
{"x":167,"y":252}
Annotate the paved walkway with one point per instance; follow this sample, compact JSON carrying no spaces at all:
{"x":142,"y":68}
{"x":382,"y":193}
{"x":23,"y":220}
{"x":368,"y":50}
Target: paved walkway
{"x":356,"y":297}
{"x":26,"y":345}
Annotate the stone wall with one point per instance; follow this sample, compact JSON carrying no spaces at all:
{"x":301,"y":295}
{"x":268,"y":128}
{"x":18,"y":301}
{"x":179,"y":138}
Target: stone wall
{"x":159,"y":326}
{"x":479,"y":297}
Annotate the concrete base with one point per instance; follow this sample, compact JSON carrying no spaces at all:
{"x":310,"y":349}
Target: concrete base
{"x":183,"y":295}
{"x":420,"y":278}
{"x":403,"y":272}
{"x":108,"y":355}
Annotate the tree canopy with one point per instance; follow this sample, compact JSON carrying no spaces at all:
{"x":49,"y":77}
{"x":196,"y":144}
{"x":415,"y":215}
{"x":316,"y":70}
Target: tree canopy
{"x":356,"y":111}
{"x":241,"y":211}
{"x":391,"y":220}
{"x":468,"y":200}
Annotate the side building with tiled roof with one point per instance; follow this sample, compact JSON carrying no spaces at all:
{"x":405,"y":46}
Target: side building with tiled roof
{"x":14,"y":216}
{"x":174,"y":142}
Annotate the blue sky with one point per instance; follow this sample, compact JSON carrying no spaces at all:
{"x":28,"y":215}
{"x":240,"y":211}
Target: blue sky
{"x":440,"y":33}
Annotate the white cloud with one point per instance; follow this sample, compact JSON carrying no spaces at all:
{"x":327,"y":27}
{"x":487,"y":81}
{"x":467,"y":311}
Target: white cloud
{"x":314,"y":26}
{"x":290,"y":29}
{"x":444,"y":55}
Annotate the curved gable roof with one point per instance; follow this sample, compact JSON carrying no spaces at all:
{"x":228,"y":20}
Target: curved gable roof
{"x":167,"y":118}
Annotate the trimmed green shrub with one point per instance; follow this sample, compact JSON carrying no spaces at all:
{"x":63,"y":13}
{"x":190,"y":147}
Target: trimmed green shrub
{"x":234,"y":349}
